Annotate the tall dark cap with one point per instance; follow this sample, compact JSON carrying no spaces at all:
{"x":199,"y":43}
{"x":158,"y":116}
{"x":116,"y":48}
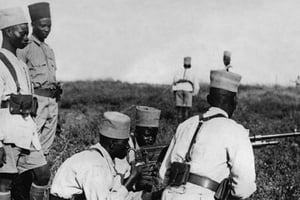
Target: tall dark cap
{"x":39,"y":11}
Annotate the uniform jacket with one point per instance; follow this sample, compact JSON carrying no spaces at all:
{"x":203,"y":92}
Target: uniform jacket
{"x":40,"y":60}
{"x":222,"y":147}
{"x":16,"y":129}
{"x":186,"y":74}
{"x":91,"y":173}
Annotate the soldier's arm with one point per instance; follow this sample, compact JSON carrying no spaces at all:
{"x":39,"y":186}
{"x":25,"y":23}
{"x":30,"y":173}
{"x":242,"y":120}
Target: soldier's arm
{"x":241,"y":160}
{"x":95,"y":182}
{"x":2,"y":151}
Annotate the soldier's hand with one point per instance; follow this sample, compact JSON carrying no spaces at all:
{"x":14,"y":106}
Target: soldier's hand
{"x":144,"y":183}
{"x":136,"y":170}
{"x":2,"y":157}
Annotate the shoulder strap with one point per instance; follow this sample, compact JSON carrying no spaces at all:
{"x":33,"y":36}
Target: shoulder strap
{"x":11,"y":69}
{"x":201,"y":120}
{"x":95,"y":149}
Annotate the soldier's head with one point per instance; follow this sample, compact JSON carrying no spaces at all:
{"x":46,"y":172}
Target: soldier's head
{"x":147,"y":123}
{"x":14,"y":27}
{"x":187,"y":62}
{"x":114,"y":134}
{"x":40,"y":20}
{"x":227,"y":58}
{"x":223,"y":90}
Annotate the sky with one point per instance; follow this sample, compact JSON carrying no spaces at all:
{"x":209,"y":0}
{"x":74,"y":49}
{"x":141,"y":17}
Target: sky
{"x":146,"y":40}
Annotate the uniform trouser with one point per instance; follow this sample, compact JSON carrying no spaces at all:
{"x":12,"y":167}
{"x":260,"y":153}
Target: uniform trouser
{"x":46,"y":120}
{"x":20,"y":161}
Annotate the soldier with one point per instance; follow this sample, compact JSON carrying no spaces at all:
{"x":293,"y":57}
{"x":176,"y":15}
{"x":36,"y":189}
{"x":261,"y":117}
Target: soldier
{"x":20,"y":148}
{"x":227,"y":60}
{"x":185,"y":86}
{"x":146,"y":129}
{"x":40,"y":60}
{"x":91,"y":173}
{"x":210,"y":148}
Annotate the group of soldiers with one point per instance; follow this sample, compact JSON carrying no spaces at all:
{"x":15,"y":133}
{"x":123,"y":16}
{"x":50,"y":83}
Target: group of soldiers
{"x":209,"y":157}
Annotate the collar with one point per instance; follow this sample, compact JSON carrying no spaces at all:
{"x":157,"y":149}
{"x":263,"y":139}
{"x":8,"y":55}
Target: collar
{"x":35,"y":40}
{"x":106,"y":155}
{"x":215,"y":110}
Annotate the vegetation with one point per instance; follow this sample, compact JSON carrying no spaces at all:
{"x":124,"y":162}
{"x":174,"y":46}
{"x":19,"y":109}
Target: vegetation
{"x":262,"y":109}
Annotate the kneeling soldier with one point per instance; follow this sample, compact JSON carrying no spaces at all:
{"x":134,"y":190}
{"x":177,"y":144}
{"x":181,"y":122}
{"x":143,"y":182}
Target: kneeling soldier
{"x":91,"y":173}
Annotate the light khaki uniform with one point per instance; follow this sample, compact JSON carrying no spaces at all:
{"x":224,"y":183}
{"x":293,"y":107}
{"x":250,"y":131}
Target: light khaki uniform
{"x":185,"y":90}
{"x":17,"y":133}
{"x":40,"y":60}
{"x":222,"y":147}
{"x":91,"y":173}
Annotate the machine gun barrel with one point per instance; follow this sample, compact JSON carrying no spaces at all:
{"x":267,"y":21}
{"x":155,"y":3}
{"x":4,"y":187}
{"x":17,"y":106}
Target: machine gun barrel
{"x":273,"y":136}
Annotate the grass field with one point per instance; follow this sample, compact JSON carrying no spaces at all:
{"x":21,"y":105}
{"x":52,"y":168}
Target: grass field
{"x":262,"y":109}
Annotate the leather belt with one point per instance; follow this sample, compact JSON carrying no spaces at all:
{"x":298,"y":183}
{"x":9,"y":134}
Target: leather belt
{"x":45,"y":92}
{"x":203,"y":182}
{"x":4,"y":104}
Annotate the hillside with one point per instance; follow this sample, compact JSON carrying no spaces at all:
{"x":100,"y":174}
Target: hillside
{"x":262,"y":109}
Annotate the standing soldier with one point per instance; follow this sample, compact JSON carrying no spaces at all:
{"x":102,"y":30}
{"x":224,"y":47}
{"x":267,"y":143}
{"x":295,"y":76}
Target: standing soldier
{"x":185,"y":86}
{"x":211,"y":148}
{"x":40,"y":60}
{"x":20,"y":148}
{"x":227,"y":60}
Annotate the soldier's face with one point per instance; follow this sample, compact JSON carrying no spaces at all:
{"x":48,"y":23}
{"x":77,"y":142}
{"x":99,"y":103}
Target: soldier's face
{"x":42,"y":28}
{"x":226,"y":60}
{"x":120,"y":148}
{"x":18,"y":35}
{"x":146,"y":135}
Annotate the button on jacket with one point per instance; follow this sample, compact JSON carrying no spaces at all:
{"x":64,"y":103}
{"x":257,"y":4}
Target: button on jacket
{"x":16,"y":129}
{"x":93,"y":174}
{"x":222,"y":147}
{"x":40,"y":60}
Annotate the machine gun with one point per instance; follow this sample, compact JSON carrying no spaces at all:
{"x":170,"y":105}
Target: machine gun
{"x":264,"y":140}
{"x":149,"y":154}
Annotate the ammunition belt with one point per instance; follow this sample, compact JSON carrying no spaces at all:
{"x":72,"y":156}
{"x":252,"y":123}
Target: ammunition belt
{"x":203,"y":182}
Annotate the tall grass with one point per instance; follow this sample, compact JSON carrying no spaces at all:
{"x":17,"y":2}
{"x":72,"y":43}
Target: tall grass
{"x":262,"y":109}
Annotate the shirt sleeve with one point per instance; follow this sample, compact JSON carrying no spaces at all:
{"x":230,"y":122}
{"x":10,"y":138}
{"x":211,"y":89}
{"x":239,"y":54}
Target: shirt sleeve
{"x":241,"y":159}
{"x":98,"y":184}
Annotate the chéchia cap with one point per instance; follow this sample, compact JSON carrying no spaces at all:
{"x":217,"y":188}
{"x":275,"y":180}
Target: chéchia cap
{"x":147,"y":116}
{"x":187,"y":60}
{"x":226,"y":80}
{"x":39,"y":11}
{"x":11,"y":17}
{"x":115,"y":125}
{"x":227,"y":53}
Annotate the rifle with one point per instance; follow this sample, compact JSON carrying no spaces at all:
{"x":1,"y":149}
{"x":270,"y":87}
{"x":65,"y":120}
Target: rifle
{"x":262,"y":140}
